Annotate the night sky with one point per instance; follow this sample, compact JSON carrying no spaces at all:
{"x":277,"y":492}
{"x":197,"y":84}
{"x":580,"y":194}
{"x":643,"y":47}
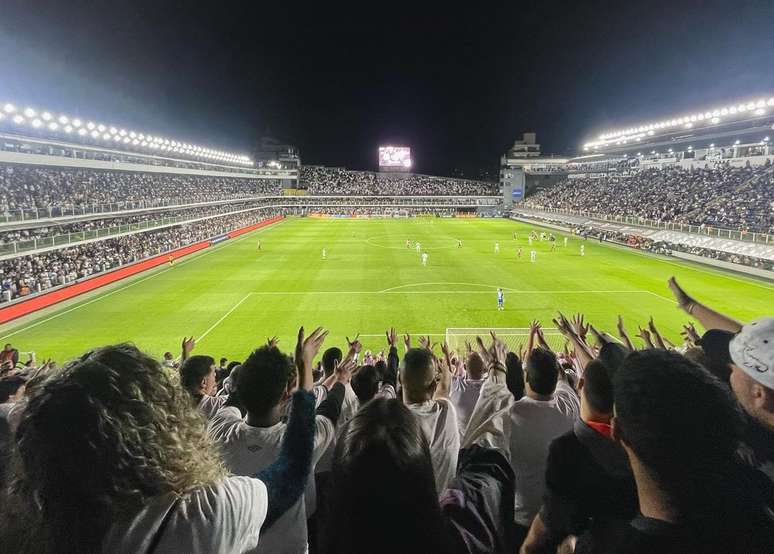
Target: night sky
{"x":456,"y":84}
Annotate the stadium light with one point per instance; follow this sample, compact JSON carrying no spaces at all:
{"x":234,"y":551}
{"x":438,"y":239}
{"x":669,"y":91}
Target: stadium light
{"x":95,"y":134}
{"x":53,"y":126}
{"x":36,"y":123}
{"x":736,"y":142}
{"x":765,"y":139}
{"x":76,"y":122}
{"x":29,"y":112}
{"x":19,"y":120}
{"x":82,"y":131}
{"x":101,"y":128}
{"x":9,"y":108}
{"x":716,"y":120}
{"x":63,"y":120}
{"x":46,"y":116}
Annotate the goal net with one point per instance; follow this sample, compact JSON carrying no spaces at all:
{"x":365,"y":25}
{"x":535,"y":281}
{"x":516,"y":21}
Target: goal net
{"x":514,"y":338}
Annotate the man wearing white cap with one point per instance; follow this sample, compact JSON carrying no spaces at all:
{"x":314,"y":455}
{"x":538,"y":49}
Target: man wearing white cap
{"x":752,"y":380}
{"x":751,"y":350}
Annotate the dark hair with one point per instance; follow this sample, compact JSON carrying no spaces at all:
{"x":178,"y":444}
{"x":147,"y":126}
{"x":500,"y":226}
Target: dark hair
{"x":365,"y":383}
{"x":684,"y":427}
{"x":418,"y":370}
{"x":263,"y":378}
{"x":475,"y":364}
{"x":514,"y":376}
{"x":598,"y":388}
{"x":382,"y":472}
{"x":193,"y":370}
{"x":231,"y":365}
{"x":612,"y":356}
{"x":329,"y":359}
{"x":542,"y":371}
{"x":381,"y":369}
{"x":223,"y":360}
{"x":10,"y":386}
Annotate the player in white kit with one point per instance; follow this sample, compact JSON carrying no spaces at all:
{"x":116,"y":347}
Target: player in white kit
{"x":530,"y":240}
{"x":419,"y":247}
{"x":497,"y":248}
{"x":583,"y":250}
{"x":424,"y":258}
{"x":532,"y":256}
{"x":324,"y":254}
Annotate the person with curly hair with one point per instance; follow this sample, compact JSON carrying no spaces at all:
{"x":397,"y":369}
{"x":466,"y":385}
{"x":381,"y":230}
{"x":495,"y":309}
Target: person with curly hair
{"x":111,"y":456}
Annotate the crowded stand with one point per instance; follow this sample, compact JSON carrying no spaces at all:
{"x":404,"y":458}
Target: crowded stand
{"x":721,"y":196}
{"x":42,"y":188}
{"x":325,"y":448}
{"x":338,"y":180}
{"x":24,"y":275}
{"x":90,"y":225}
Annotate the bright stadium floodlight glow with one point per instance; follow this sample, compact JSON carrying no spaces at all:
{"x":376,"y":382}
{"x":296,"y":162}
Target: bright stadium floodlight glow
{"x":132,"y":134}
{"x":760,"y":111}
{"x":82,"y":131}
{"x":688,"y":125}
{"x":122,"y":132}
{"x":53,"y":126}
{"x":76,"y":122}
{"x":135,"y":142}
{"x":113,"y":130}
{"x":63,"y":120}
{"x":101,"y":128}
{"x":10,"y":108}
{"x":652,"y":151}
{"x":712,"y":145}
{"x":765,"y":139}
{"x":736,"y":142}
{"x":46,"y":116}
{"x":29,"y":112}
{"x":716,"y":120}
{"x":116,"y":138}
{"x":90,"y":126}
{"x":36,"y":123}
{"x":95,"y":134}
{"x":127,"y":140}
{"x":19,"y":120}
{"x":106,"y":136}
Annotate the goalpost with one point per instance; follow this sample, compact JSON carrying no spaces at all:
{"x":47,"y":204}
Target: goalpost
{"x":514,"y":338}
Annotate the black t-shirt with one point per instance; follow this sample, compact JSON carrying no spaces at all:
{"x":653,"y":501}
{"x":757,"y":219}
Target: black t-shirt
{"x":642,"y":535}
{"x":588,"y":484}
{"x":757,"y":448}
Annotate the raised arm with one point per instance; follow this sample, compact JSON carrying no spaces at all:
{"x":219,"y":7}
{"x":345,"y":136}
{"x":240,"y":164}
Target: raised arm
{"x":709,"y":318}
{"x":624,"y":335}
{"x":392,"y":359}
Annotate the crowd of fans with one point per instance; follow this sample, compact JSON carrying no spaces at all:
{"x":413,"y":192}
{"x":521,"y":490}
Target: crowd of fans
{"x":24,"y":275}
{"x":721,"y":196}
{"x":86,"y":226}
{"x":28,"y":188}
{"x":338,"y":180}
{"x":612,"y":445}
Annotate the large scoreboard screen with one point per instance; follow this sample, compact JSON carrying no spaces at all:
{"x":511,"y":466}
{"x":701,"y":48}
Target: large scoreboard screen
{"x":394,"y":158}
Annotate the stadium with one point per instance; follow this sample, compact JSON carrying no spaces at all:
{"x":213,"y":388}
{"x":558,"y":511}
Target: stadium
{"x":209,"y":349}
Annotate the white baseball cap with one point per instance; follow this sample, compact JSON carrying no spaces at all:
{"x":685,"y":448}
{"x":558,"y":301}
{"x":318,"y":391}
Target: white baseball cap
{"x":752,"y":349}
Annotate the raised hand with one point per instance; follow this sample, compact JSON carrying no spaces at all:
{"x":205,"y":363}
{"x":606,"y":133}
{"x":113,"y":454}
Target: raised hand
{"x":656,"y":334}
{"x":425,"y":343}
{"x":187,"y":346}
{"x":684,"y":301}
{"x":486,"y":355}
{"x":392,"y":337}
{"x":306,"y":349}
{"x":354,"y":345}
{"x":407,"y":341}
{"x":343,"y":370}
{"x":581,"y":328}
{"x":690,"y":334}
{"x":272,"y":342}
{"x":644,"y":334}
{"x":620,"y":327}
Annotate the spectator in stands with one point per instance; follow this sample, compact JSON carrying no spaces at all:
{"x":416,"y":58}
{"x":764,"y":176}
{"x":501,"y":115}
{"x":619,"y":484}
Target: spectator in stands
{"x":536,"y":420}
{"x":9,"y":356}
{"x":197,"y":376}
{"x":12,"y":389}
{"x":112,"y":458}
{"x":436,"y":416}
{"x":383,"y":474}
{"x":266,"y":382}
{"x":466,"y":388}
{"x":680,"y":430}
{"x":752,"y":358}
{"x":588,"y":479}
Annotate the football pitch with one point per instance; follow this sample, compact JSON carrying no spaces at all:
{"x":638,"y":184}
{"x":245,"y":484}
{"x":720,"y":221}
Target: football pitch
{"x":232,"y":297}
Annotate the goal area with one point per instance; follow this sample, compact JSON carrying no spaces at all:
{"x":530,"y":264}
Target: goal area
{"x":515,"y":338}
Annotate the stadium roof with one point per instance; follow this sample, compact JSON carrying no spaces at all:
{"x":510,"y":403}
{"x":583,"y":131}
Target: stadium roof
{"x":748,"y":110}
{"x":102,"y":134}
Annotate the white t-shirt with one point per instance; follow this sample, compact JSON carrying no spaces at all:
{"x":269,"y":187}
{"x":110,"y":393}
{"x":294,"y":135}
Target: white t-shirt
{"x":464,"y":395}
{"x":224,"y":517}
{"x":567,"y":400}
{"x":209,"y":405}
{"x":534,"y":424}
{"x":438,"y":421}
{"x":247,"y":450}
{"x":349,"y":407}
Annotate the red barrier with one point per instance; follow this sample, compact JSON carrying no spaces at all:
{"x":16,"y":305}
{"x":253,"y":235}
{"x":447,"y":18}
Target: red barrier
{"x":70,"y":291}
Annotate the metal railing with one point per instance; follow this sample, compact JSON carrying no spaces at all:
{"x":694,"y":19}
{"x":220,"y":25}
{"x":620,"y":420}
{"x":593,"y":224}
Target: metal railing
{"x":704,"y":230}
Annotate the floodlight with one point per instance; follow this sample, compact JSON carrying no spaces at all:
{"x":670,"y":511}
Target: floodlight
{"x":29,"y":112}
{"x":670,"y":150}
{"x":765,"y":139}
{"x":736,"y":141}
{"x":90,"y":126}
{"x":36,"y":123}
{"x":19,"y":120}
{"x":76,"y":122}
{"x":46,"y":116}
{"x":715,"y":120}
{"x":724,"y":111}
{"x":135,"y":142}
{"x":122,"y":132}
{"x":760,"y":111}
{"x":10,"y":108}
{"x":132,"y":134}
{"x":63,"y":120}
{"x":106,"y":136}
{"x":53,"y":126}
{"x":688,"y":125}
{"x":712,"y":145}
{"x":652,"y":151}
{"x":82,"y":131}
{"x":116,"y":138}
{"x":113,"y":130}
{"x":101,"y":128}
{"x":95,"y":133}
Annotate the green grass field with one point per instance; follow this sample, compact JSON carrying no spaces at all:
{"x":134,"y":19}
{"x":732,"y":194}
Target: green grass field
{"x":232,"y":297}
